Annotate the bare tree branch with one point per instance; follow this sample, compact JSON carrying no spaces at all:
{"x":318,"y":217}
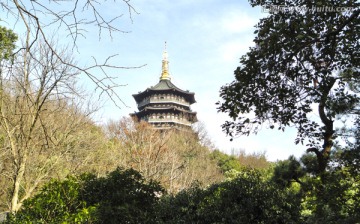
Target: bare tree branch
{"x":73,"y":18}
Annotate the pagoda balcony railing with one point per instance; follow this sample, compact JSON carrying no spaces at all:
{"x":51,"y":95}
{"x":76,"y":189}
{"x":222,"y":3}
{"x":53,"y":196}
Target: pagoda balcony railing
{"x":168,"y":120}
{"x":145,"y":102}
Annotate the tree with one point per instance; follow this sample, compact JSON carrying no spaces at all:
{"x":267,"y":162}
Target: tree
{"x":41,"y":109}
{"x":39,"y":87}
{"x":56,"y":202}
{"x":335,"y":197}
{"x":249,"y":198}
{"x":298,"y":63}
{"x":350,"y":156}
{"x":7,"y":43}
{"x":72,"y":20}
{"x":203,"y":135}
{"x":122,"y":196}
{"x":226,"y":162}
{"x":174,"y":158}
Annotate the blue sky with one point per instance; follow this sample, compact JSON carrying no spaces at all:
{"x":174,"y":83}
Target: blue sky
{"x":205,"y":39}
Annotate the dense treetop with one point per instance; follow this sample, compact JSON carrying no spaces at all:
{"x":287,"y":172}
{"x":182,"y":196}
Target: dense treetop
{"x":302,"y":60}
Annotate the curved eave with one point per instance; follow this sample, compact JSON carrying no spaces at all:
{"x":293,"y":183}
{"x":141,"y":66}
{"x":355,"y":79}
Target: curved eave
{"x":155,"y":109}
{"x":168,"y":105}
{"x":190,"y":96}
{"x":140,"y":114}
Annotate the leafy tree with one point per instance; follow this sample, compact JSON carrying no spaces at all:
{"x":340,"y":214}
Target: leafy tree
{"x":123,"y":196}
{"x":225,"y":162}
{"x":332,"y":199}
{"x":285,"y":172}
{"x":249,"y":198}
{"x":236,"y":162}
{"x":298,"y":63}
{"x":7,"y":43}
{"x":182,"y":207}
{"x":350,"y":156}
{"x":57,"y":202}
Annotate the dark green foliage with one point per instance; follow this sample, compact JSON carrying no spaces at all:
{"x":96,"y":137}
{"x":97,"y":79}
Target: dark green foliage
{"x":249,"y":198}
{"x":336,"y":201}
{"x":57,"y":202}
{"x":350,"y":157}
{"x":333,"y":198}
{"x":310,"y":163}
{"x":338,"y":195}
{"x":301,"y":59}
{"x":182,"y":207}
{"x":288,"y":171}
{"x":7,"y":43}
{"x":123,"y":196}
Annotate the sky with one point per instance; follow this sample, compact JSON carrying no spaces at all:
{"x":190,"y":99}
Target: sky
{"x":205,"y":39}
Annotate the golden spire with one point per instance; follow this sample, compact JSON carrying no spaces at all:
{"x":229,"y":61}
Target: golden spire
{"x":165,"y":66}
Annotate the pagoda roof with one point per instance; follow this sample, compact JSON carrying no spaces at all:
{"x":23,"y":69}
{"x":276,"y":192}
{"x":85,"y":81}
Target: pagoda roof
{"x":148,"y":110}
{"x":165,"y":85}
{"x":160,"y":109}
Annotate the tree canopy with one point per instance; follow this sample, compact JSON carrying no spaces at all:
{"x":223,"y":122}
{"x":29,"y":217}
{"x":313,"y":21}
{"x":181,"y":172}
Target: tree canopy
{"x":302,"y":60}
{"x":123,"y":196}
{"x":7,"y":43}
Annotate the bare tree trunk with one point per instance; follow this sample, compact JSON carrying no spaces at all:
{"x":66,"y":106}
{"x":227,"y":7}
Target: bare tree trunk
{"x":15,"y":205}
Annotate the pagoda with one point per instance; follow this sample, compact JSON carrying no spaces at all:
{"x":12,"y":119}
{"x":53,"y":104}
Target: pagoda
{"x":164,"y":105}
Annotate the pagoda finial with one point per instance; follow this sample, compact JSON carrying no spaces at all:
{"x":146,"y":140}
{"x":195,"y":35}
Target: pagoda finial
{"x":165,"y":66}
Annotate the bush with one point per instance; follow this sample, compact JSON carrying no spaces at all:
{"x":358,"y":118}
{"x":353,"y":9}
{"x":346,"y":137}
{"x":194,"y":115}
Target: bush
{"x":123,"y":196}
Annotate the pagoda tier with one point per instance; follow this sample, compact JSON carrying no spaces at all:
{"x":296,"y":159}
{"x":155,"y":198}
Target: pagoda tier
{"x":165,"y":105}
{"x":166,"y":89}
{"x":170,"y":116}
